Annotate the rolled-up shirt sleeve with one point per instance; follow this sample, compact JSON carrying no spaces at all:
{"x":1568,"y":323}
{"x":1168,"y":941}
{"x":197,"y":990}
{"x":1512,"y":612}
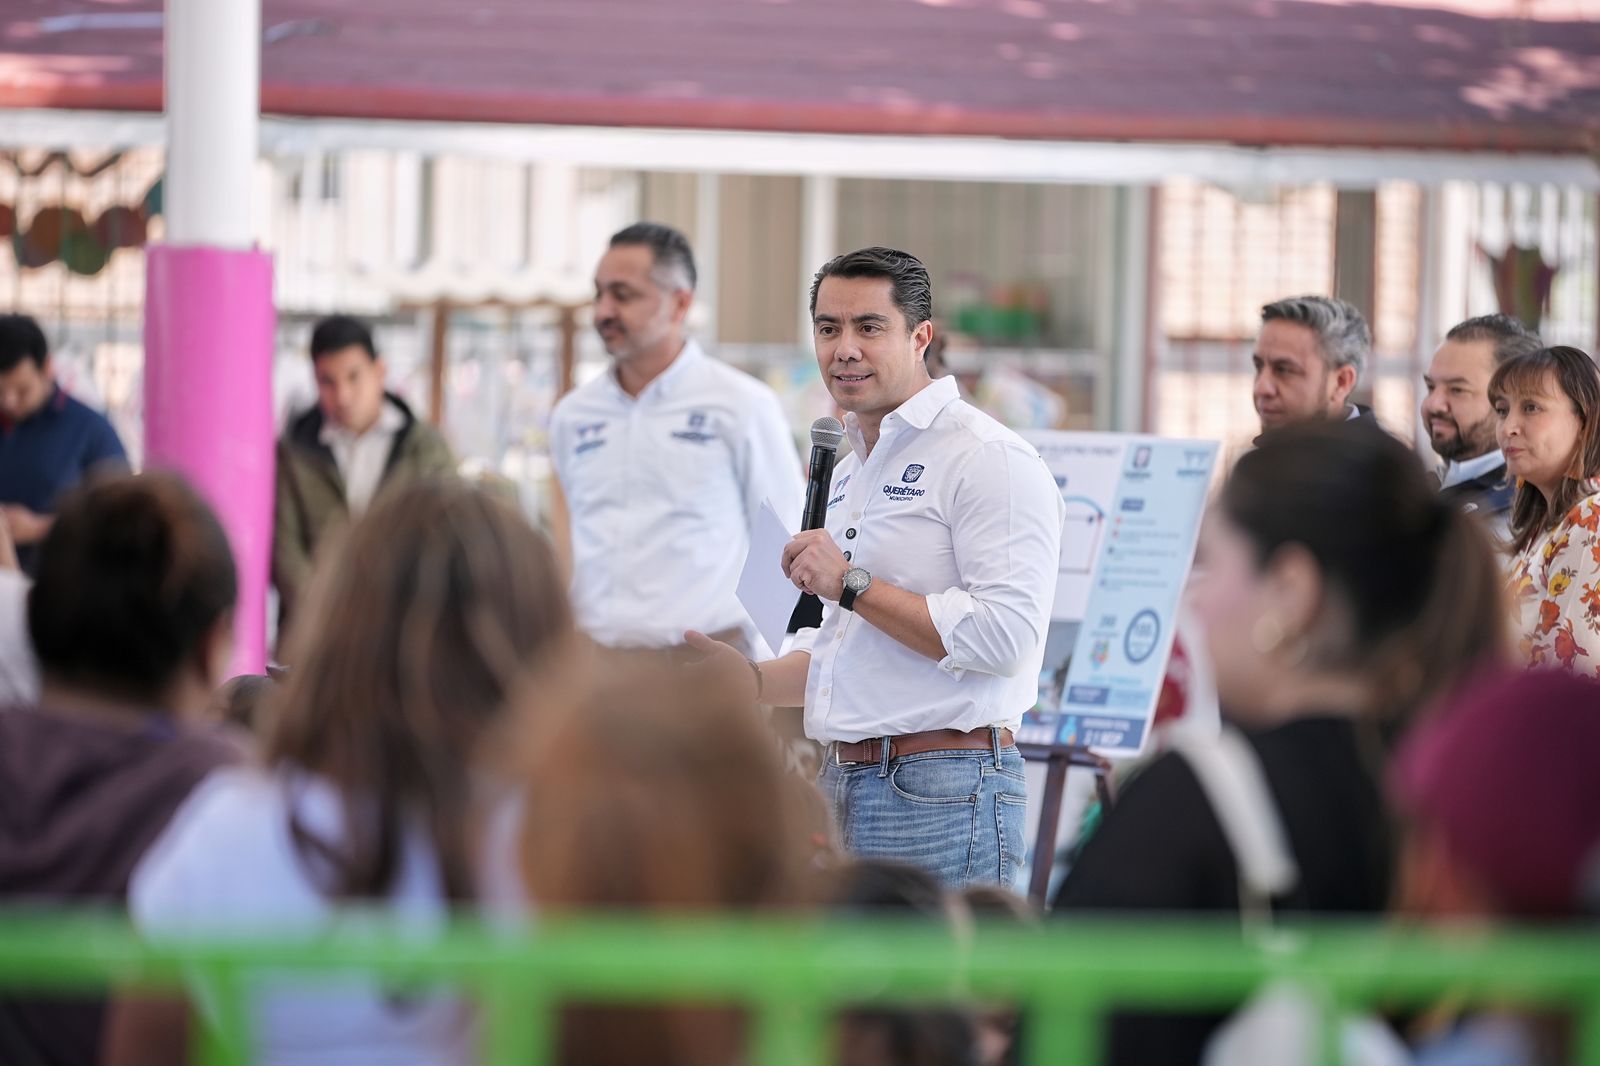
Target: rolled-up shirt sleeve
{"x":1006,"y":516}
{"x":804,"y":640}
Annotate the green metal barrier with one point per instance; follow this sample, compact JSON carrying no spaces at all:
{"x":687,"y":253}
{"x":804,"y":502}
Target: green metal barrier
{"x":793,"y":976}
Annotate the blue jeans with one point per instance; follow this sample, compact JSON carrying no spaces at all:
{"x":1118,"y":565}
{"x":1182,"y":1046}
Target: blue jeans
{"x":959,"y":815}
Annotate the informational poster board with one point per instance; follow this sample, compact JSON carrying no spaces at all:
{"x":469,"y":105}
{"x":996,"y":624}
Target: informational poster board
{"x":1134,"y":505}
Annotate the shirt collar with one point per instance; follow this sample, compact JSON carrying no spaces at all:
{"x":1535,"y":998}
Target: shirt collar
{"x":664,"y":382}
{"x":1472,"y":469}
{"x":53,"y":406}
{"x":389,"y":422}
{"x":917,"y":412}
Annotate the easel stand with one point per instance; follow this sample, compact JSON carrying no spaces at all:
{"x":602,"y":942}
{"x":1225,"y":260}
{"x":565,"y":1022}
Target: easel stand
{"x":1058,"y":758}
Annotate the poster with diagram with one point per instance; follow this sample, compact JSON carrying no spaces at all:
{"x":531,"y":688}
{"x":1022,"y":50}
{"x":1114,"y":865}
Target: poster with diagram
{"x":1133,"y":510}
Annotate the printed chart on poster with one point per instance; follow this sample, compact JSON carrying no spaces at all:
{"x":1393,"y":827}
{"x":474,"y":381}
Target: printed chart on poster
{"x":1133,"y":507}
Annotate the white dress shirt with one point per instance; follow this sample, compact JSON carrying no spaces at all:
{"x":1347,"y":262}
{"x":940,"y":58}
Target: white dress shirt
{"x":957,"y":508}
{"x":1455,"y":473}
{"x":362,"y":457}
{"x":662,"y":489}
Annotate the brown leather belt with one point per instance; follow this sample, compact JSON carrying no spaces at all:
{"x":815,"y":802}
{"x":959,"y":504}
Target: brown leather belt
{"x":871,"y":751}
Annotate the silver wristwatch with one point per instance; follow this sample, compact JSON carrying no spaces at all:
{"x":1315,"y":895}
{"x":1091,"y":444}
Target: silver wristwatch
{"x":856,"y":581}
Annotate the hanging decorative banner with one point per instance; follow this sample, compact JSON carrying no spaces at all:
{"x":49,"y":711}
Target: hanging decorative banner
{"x":82,"y":245}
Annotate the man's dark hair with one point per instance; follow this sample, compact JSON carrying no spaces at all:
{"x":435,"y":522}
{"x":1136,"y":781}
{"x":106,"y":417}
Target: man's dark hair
{"x":1511,"y":338}
{"x":21,"y":338}
{"x":669,"y":250}
{"x":908,"y":279}
{"x":338,"y":332}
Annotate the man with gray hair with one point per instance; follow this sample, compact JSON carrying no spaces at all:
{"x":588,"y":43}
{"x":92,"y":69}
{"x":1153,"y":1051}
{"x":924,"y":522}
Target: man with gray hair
{"x":662,"y":462}
{"x":1308,"y":360}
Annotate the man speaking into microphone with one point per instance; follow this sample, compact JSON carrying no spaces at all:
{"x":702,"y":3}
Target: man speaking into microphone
{"x":937,"y":566}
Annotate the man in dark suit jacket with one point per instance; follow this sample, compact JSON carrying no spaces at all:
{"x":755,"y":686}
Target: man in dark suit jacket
{"x":1461,"y":421}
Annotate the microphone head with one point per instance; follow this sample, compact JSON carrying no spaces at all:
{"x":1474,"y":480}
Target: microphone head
{"x":827,"y":432}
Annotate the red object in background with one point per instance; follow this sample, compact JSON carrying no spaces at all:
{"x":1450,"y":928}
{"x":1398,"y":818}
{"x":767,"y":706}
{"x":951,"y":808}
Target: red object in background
{"x":1241,"y":71}
{"x":1174,"y":698}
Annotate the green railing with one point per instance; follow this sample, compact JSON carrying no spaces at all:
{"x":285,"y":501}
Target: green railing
{"x":794,"y":976}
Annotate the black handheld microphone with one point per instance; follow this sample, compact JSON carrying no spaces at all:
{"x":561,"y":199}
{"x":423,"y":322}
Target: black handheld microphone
{"x":826,"y":433}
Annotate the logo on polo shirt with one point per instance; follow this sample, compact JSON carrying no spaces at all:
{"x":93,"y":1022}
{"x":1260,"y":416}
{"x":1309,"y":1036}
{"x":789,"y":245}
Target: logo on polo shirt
{"x":902,"y":491}
{"x":589,"y":437}
{"x":839,"y":489}
{"x":696,"y":431}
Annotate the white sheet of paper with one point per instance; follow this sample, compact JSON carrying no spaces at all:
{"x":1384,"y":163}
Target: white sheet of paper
{"x":766,"y":594}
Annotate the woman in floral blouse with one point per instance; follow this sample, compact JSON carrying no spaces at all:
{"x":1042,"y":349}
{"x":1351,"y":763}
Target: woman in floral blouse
{"x":1548,"y":405}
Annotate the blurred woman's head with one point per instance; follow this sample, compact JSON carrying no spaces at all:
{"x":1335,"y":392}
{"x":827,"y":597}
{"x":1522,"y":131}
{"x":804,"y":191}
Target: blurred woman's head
{"x":647,"y":793}
{"x":419,"y":623}
{"x":1547,"y":406}
{"x":1330,"y":569}
{"x":671,"y":796}
{"x":1501,"y":801}
{"x":134,"y":594}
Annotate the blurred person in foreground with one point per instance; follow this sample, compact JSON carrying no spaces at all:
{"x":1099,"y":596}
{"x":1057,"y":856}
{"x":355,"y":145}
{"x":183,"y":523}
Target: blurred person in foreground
{"x":662,"y":463}
{"x":1548,"y":406}
{"x":1502,"y":808}
{"x":912,"y":1035}
{"x":1460,"y":418}
{"x":694,"y":812}
{"x":132,"y":617}
{"x":1308,"y":359}
{"x":49,"y":441}
{"x":358,"y":442}
{"x":1338,"y":594}
{"x":384,"y":783}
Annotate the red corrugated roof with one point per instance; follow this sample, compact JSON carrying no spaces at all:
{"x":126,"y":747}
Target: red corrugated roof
{"x":1242,"y":71}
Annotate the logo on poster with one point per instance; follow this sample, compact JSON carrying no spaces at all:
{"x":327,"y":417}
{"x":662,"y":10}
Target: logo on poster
{"x":1139,"y":642}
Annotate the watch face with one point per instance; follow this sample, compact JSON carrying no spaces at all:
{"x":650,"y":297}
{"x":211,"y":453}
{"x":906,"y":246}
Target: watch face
{"x":857,"y":579}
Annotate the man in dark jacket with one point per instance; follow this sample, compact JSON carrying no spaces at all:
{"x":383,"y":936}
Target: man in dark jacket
{"x":1460,"y":419}
{"x":357,"y":442}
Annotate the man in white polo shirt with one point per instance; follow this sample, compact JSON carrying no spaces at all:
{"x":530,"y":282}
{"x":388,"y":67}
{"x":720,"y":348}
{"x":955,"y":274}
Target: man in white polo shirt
{"x":662,"y":462}
{"x":939,"y":564}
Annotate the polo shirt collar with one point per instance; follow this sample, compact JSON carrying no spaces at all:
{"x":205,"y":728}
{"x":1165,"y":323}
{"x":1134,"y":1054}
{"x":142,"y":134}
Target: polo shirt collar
{"x":918,"y":412}
{"x":688,"y":356}
{"x":53,"y":406}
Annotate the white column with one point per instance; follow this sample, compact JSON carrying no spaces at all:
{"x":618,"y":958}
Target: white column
{"x":1132,"y":324}
{"x":1431,"y":316}
{"x":213,"y":77}
{"x":708,"y":253}
{"x":818,"y":235}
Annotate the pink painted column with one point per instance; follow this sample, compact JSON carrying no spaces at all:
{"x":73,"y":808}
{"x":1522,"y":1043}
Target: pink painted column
{"x":209,"y":319}
{"x":208,"y":337}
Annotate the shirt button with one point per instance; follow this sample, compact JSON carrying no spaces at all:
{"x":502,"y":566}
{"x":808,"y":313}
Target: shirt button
{"x":855,"y":516}
{"x":827,"y":692}
{"x":850,"y":534}
{"x":847,"y":557}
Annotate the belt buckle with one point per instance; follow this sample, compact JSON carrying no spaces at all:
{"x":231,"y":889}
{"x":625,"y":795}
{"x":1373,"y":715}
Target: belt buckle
{"x":838,"y":762}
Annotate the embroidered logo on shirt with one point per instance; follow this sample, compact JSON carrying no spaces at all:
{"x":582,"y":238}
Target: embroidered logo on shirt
{"x":696,"y":431}
{"x":589,"y":437}
{"x":913,"y":472}
{"x":839,"y":488}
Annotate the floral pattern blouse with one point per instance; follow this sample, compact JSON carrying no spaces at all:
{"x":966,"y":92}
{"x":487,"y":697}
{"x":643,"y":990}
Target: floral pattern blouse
{"x":1556,"y":584}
